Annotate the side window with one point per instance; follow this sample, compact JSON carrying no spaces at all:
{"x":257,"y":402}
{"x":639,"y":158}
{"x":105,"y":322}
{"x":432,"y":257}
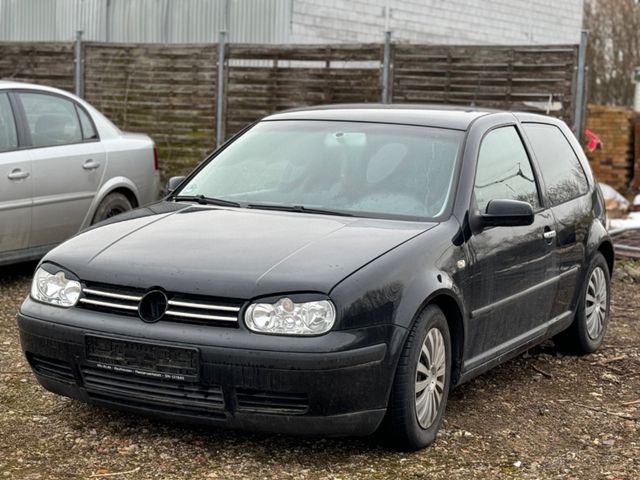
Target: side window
{"x":88,"y":132}
{"x":504,"y":170}
{"x":563,"y":175}
{"x":52,"y":120}
{"x":8,"y":133}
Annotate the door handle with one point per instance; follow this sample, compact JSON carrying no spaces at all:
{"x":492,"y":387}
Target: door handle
{"x":17,"y":174}
{"x":549,"y":234}
{"x":90,"y":165}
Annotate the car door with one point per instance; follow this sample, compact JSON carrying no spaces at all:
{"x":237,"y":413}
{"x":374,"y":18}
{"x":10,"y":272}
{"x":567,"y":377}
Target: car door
{"x":15,"y":183}
{"x":67,"y":161}
{"x":511,"y":269}
{"x":567,"y":189}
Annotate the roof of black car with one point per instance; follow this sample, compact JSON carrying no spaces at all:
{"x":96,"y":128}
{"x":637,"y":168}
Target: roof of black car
{"x":443,"y":116}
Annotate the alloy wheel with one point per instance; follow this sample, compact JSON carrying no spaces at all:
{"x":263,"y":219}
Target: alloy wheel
{"x":430,"y":378}
{"x":596,"y":303}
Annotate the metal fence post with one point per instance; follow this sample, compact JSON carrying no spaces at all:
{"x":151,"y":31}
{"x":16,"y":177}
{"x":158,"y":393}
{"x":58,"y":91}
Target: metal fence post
{"x":220,"y":90}
{"x":79,"y":65}
{"x":580,"y":86}
{"x":386,"y":68}
{"x":107,"y":21}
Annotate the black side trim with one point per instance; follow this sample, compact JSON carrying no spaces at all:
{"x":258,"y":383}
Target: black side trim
{"x":524,"y":293}
{"x":511,"y":348}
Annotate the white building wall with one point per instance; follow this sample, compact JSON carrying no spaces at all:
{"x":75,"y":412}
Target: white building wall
{"x":438,"y":21}
{"x":294,"y":21}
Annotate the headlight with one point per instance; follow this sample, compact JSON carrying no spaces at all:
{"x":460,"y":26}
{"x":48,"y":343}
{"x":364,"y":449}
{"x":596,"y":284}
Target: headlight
{"x":285,"y":317}
{"x":55,"y":288}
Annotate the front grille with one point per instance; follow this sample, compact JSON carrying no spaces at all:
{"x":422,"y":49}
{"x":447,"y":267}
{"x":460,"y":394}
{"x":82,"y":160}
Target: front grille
{"x":110,"y":299}
{"x":171,"y":396}
{"x":51,"y":368}
{"x":181,"y":307}
{"x":272,"y":402}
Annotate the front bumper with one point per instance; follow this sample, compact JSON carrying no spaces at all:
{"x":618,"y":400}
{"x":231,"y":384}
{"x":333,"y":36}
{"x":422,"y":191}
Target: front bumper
{"x":336,"y":384}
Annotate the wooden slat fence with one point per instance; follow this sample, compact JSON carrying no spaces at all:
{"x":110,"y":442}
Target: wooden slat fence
{"x":166,"y":91}
{"x":295,"y":76}
{"x":38,"y":62}
{"x":509,"y":78}
{"x":169,"y":91}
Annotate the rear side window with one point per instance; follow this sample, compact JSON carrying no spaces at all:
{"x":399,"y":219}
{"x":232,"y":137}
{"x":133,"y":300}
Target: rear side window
{"x":560,"y":168}
{"x":8,"y":134}
{"x":504,"y":171}
{"x":52,"y":120}
{"x":88,"y":132}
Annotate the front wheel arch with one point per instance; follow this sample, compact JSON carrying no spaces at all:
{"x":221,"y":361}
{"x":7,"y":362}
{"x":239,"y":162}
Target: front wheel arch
{"x":402,"y":424}
{"x":453,"y":314}
{"x":452,"y":310}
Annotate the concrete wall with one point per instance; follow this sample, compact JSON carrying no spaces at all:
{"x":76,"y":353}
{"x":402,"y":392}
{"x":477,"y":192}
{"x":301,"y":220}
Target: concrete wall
{"x":514,"y":22}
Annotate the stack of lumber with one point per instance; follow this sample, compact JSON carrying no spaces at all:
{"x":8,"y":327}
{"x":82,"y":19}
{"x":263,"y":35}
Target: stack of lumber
{"x":612,"y":162}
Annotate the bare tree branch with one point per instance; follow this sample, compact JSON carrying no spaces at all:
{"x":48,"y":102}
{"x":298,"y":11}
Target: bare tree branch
{"x":613,"y":51}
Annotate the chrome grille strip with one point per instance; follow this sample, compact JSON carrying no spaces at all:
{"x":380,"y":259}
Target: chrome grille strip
{"x":200,"y":316}
{"x":100,"y":303}
{"x":181,"y":309}
{"x":120,"y":296}
{"x":203,"y":306}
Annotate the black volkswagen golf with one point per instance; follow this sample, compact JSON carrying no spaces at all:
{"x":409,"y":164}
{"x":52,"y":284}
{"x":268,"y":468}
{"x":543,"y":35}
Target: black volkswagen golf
{"x":332,"y":271}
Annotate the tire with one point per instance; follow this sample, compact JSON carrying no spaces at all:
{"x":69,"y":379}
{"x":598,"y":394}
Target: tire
{"x":112,"y":205}
{"x":410,"y":424}
{"x":586,"y":333}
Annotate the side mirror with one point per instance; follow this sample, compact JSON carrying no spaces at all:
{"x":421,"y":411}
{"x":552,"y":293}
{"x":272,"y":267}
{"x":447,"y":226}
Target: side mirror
{"x":173,"y":183}
{"x":505,"y":213}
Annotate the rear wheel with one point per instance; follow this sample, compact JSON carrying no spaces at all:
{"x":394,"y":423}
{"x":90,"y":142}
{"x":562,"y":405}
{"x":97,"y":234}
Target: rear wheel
{"x":421,"y":386}
{"x":112,"y":205}
{"x":586,"y":333}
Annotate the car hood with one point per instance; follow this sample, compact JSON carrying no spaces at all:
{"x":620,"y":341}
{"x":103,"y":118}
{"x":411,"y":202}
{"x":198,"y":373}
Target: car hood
{"x":231,"y":253}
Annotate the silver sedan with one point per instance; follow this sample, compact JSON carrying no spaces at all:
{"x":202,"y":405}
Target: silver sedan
{"x":63,"y":167}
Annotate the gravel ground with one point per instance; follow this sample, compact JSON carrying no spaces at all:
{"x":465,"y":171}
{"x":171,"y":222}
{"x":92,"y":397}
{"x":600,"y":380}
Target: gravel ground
{"x":539,"y":416}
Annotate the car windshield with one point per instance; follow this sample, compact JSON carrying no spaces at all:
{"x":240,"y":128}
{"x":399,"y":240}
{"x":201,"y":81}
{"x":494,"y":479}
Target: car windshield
{"x":351,"y":168}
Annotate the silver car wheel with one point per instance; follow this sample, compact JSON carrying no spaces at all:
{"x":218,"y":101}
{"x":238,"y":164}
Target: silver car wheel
{"x":430,"y":378}
{"x":596,"y":303}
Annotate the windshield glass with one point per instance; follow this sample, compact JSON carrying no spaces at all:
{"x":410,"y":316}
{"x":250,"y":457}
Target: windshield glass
{"x":362,"y":169}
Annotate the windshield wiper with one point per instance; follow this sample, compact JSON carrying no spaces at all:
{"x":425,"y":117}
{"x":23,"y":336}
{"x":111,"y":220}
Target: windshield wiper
{"x":204,"y":200}
{"x":299,"y":209}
